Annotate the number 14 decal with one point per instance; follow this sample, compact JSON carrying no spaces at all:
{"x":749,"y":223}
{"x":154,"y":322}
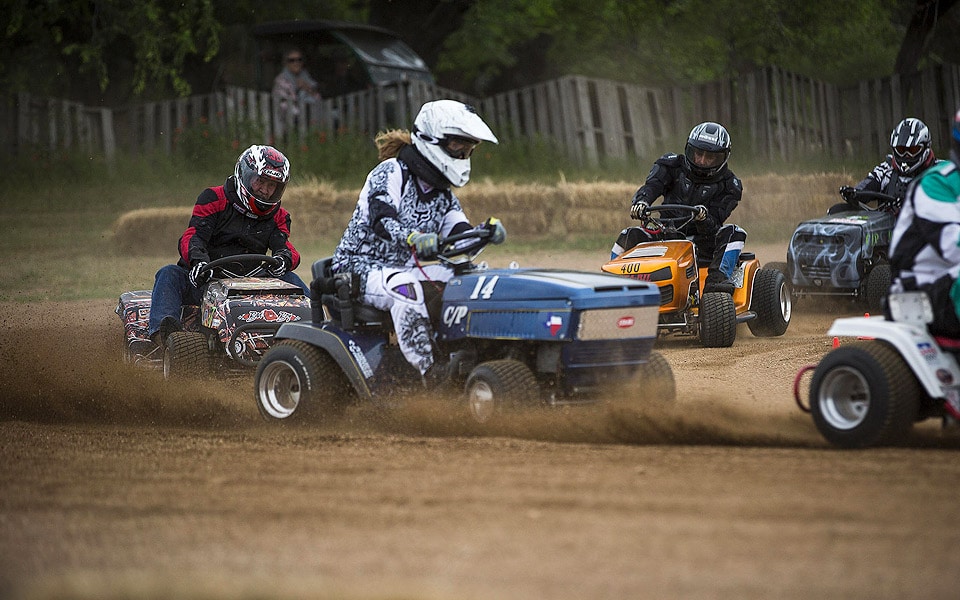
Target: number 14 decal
{"x":484,"y":288}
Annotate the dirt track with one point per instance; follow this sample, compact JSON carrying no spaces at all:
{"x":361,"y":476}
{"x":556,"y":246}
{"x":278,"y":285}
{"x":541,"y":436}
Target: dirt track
{"x":115,"y":485}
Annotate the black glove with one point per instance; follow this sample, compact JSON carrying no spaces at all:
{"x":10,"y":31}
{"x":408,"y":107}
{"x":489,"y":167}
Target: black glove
{"x":425,"y":245}
{"x":638,"y":208}
{"x":197,"y":275}
{"x":701,"y":214}
{"x":497,"y":232}
{"x":285,"y":261}
{"x":849,"y":194}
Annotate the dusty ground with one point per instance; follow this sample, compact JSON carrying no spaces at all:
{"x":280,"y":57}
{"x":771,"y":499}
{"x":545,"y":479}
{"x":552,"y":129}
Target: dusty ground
{"x":114,"y":485}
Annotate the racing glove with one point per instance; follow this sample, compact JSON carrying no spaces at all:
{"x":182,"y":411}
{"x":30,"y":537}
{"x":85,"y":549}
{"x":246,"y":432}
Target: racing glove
{"x":425,"y":245}
{"x":497,"y":231}
{"x":197,"y":274}
{"x":285,"y":261}
{"x":638,"y":208}
{"x":849,"y":194}
{"x":701,"y":214}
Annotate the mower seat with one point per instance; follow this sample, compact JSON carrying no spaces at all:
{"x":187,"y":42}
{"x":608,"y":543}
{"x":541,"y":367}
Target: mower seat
{"x":339,"y":293}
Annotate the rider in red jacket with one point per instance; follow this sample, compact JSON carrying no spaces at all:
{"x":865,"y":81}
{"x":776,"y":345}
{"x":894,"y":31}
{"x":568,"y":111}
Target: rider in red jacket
{"x":243,"y":216}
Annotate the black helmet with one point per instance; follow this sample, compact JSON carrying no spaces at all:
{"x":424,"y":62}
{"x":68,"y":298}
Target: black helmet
{"x":910,"y":142}
{"x":707,"y":150}
{"x":261,"y":162}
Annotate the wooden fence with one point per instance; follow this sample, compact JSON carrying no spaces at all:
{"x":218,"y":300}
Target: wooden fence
{"x":771,"y":113}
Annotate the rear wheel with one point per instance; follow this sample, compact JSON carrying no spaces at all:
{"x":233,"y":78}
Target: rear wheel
{"x":718,"y":320}
{"x":863,"y":395}
{"x":185,"y":355}
{"x":771,"y":302}
{"x":497,"y":385}
{"x":296,"y":381}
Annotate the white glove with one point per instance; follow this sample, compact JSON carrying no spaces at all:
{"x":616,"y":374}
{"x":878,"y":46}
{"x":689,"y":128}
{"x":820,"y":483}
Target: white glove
{"x":284,"y":264}
{"x":701,"y":213}
{"x":198,"y":278}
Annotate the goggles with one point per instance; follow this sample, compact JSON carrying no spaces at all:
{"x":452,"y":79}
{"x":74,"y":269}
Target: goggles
{"x":458,"y":147}
{"x":908,"y":151}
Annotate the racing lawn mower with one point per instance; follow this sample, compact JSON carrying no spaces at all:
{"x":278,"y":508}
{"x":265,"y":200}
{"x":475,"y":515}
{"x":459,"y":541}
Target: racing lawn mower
{"x":233,"y":327}
{"x":760,"y":297}
{"x":870,"y":392}
{"x":844,"y":253}
{"x":510,"y":338}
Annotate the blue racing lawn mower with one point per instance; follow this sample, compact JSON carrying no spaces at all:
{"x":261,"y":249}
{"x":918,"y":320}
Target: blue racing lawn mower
{"x":509,"y":338}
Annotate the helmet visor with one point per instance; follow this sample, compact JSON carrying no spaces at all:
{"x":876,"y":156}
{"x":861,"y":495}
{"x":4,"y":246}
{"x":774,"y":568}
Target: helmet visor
{"x":266,"y":190}
{"x":458,"y":147}
{"x":705,"y":158}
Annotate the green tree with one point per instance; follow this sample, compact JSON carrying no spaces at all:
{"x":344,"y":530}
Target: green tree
{"x":503,"y":43}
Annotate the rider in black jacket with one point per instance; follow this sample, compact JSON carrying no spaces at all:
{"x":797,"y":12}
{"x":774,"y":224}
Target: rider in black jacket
{"x":910,"y":155}
{"x":700,"y":178}
{"x":243,"y":216}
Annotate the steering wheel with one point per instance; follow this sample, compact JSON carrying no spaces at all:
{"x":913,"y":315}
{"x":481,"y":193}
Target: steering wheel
{"x":241,"y":265}
{"x":884,"y":201}
{"x":459,"y":250}
{"x":668,"y":223}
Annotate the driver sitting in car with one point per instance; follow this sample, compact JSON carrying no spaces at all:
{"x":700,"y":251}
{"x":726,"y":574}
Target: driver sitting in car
{"x":242,"y":216}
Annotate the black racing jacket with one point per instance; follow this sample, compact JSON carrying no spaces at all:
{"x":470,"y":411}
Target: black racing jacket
{"x":669,"y":178}
{"x":218,"y":228}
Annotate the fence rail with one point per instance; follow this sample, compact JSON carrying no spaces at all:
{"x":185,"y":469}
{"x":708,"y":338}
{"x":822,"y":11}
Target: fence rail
{"x":776,"y":114}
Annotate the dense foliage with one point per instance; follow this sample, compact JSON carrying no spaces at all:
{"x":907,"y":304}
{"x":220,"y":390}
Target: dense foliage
{"x":113,"y":51}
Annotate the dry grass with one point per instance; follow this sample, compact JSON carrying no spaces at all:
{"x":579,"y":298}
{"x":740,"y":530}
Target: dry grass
{"x":772,"y":205}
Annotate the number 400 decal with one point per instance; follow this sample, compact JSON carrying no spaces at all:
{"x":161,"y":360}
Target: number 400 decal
{"x":484,"y":288}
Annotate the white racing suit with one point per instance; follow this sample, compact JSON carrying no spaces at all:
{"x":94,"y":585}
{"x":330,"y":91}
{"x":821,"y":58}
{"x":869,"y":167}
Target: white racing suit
{"x":925,"y":249}
{"x":395,"y":202}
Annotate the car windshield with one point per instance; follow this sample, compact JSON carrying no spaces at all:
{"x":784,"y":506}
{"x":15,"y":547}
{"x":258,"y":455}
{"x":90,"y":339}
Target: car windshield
{"x":386,"y":58}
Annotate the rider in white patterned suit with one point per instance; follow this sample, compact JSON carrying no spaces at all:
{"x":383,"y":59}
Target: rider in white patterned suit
{"x":406,"y":205}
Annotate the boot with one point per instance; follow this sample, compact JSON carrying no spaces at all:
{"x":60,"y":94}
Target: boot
{"x":168,"y":325}
{"x":717,"y":282}
{"x":437,"y":376}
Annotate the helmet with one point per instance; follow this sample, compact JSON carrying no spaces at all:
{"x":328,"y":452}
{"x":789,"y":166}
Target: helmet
{"x":707,"y":149}
{"x":910,"y":142}
{"x":446,"y":132}
{"x":261,"y":162}
{"x":955,"y":139}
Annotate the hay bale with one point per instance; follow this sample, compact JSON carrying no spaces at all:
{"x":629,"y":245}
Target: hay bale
{"x":772,"y":204}
{"x":151,"y":231}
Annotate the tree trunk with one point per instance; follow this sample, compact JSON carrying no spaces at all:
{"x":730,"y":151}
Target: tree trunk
{"x":925,"y":18}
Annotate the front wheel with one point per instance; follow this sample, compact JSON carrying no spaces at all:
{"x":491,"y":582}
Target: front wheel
{"x":657,"y":379}
{"x":497,"y":385}
{"x":296,"y":381}
{"x":864,"y":395}
{"x":772,"y":303}
{"x":718,"y":320}
{"x":877,"y":286}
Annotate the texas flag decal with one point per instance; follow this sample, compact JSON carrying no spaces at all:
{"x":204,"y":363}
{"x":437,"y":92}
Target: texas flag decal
{"x":554,"y":323}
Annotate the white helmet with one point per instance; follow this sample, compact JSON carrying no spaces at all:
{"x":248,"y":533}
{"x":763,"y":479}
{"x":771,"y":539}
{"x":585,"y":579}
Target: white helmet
{"x":910,"y":142}
{"x":446,"y":132}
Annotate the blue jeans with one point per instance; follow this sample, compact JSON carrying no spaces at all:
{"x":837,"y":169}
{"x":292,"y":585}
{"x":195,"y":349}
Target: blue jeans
{"x":172,"y":289}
